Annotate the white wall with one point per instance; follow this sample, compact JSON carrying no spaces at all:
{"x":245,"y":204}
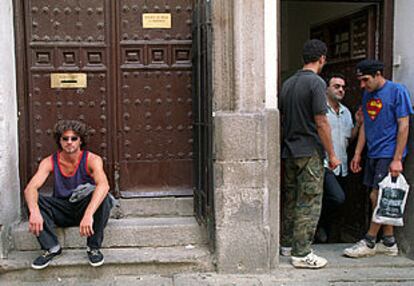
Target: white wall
{"x":9,"y":176}
{"x":271,"y":52}
{"x":404,"y":73}
{"x":404,"y":43}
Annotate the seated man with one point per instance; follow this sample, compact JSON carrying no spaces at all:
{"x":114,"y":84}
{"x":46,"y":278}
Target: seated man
{"x":72,"y":168}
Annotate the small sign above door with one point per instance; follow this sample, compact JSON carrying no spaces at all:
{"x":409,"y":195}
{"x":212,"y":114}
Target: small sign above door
{"x":156,"y":21}
{"x":68,"y":80}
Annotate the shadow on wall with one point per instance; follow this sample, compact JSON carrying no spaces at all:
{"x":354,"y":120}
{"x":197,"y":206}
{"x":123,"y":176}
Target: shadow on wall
{"x":405,"y":234}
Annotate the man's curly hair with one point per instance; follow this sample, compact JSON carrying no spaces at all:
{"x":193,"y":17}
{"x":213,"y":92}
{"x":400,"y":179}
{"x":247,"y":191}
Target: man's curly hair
{"x":76,"y":126}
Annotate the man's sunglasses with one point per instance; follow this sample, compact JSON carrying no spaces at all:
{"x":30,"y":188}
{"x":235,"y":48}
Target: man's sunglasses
{"x":338,"y":86}
{"x":72,"y":138}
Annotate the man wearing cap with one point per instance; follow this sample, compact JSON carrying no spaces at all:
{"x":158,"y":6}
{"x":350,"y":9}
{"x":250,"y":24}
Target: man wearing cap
{"x":386,"y":107}
{"x":306,"y":133}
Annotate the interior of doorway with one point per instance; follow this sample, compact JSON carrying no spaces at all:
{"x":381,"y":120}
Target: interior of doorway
{"x":354,"y":219}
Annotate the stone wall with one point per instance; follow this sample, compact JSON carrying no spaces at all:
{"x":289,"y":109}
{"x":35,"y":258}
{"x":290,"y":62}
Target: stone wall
{"x":9,"y":178}
{"x":246,"y":140}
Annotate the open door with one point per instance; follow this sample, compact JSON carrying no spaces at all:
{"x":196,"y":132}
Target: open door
{"x":353,"y":31}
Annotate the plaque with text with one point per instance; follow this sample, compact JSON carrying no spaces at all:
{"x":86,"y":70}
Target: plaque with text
{"x":156,"y":21}
{"x":68,"y":80}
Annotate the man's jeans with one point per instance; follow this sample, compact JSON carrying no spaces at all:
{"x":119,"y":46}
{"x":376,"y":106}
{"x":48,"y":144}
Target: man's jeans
{"x":333,"y":198}
{"x":62,"y":213}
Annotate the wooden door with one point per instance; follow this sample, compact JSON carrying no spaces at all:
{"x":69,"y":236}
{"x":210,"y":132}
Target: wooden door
{"x":154,"y":104}
{"x":68,"y":37}
{"x":137,"y":97}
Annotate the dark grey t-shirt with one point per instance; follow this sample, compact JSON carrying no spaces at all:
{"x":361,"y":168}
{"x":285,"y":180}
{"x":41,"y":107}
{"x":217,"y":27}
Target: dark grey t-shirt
{"x":303,"y":96}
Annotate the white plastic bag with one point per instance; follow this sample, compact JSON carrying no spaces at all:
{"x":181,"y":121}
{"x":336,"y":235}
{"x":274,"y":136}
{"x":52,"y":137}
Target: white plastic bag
{"x":392,"y":197}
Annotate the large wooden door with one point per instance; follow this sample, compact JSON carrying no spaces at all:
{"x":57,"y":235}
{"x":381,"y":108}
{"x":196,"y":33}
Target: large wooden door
{"x":138,"y":93}
{"x":68,"y":36}
{"x":154,"y":102}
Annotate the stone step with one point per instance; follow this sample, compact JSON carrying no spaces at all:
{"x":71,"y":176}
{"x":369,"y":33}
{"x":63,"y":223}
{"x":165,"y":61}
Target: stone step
{"x":118,"y":261}
{"x":154,"y":207}
{"x":126,"y":232}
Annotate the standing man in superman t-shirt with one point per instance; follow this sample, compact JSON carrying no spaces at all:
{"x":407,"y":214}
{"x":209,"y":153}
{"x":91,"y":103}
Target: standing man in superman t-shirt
{"x":386,"y":107}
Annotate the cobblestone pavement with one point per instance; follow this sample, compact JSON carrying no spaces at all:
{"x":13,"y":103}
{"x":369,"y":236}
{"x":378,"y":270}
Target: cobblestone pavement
{"x":373,"y":276}
{"x":373,"y":271}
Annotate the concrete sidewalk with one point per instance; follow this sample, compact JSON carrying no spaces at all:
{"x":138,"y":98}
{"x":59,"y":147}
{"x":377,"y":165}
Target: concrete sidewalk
{"x":374,"y":276}
{"x":378,"y":270}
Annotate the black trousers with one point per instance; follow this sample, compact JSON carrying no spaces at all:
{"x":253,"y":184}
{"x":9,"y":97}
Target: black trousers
{"x":62,"y":213}
{"x":333,"y":198}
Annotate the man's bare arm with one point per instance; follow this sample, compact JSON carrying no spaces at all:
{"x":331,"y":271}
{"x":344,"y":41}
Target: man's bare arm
{"x":31,"y":194}
{"x":359,"y":120}
{"x":95,"y":164}
{"x":356,"y":160}
{"x":324,"y":132}
{"x":396,"y":166}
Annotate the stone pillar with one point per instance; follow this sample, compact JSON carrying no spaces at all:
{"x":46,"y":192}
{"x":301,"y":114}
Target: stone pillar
{"x":403,"y":71}
{"x":246,"y":142}
{"x":9,"y":176}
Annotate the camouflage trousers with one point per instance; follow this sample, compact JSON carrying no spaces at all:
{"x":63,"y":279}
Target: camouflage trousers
{"x":301,"y":202}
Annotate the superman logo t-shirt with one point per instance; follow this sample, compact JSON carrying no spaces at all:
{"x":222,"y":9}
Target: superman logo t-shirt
{"x":382,"y":108}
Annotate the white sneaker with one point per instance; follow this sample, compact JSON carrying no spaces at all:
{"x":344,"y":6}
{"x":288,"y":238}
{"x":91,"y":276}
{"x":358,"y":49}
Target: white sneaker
{"x":387,"y":250}
{"x":360,"y":249}
{"x":309,"y":261}
{"x":285,"y":251}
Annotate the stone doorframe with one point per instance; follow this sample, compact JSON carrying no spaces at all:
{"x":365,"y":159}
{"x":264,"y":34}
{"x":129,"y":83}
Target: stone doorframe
{"x":9,"y":175}
{"x":246,"y":135}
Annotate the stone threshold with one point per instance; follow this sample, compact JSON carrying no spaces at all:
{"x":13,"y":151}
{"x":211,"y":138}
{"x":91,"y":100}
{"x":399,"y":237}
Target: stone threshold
{"x":126,"y":232}
{"x":154,"y":207}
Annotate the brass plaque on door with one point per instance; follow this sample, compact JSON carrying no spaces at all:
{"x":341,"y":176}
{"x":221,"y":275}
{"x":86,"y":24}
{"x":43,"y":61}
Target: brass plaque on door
{"x":68,"y":80}
{"x":156,"y":21}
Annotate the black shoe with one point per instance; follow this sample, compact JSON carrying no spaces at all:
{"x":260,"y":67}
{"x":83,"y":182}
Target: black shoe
{"x":321,"y":236}
{"x":43,"y":260}
{"x":96,"y":258}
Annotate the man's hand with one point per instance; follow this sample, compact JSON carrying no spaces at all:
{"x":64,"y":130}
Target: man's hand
{"x":86,"y":226}
{"x":356,"y":164}
{"x":334,"y":162}
{"x":396,"y":168}
{"x":359,"y":117}
{"x":35,"y":223}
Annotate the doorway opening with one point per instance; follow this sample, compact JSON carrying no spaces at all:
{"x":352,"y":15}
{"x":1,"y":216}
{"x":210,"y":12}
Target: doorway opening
{"x":146,"y":94}
{"x":353,"y":31}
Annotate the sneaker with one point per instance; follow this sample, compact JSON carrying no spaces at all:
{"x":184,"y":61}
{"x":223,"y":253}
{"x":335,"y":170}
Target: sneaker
{"x":360,"y":249}
{"x":96,"y":258}
{"x":285,"y":251}
{"x":387,"y":250}
{"x":309,"y":261}
{"x":43,"y":260}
